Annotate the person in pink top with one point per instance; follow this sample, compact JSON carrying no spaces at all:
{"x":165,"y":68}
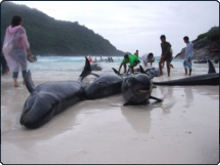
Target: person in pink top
{"x":16,"y":48}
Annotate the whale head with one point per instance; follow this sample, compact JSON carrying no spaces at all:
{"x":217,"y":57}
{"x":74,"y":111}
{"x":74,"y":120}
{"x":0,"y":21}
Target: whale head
{"x":38,"y":109}
{"x":136,"y":89}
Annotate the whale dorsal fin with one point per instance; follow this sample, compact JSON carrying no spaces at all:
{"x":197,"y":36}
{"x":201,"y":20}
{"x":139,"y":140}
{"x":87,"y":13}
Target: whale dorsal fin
{"x":116,"y":72}
{"x":211,"y":67}
{"x":29,"y":82}
{"x":86,"y":70}
{"x":141,"y":69}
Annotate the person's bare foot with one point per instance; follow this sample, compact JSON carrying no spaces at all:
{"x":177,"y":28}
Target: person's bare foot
{"x":16,"y":85}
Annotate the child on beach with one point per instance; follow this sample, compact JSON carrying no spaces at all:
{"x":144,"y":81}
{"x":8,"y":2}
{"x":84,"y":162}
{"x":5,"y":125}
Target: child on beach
{"x":188,"y":56}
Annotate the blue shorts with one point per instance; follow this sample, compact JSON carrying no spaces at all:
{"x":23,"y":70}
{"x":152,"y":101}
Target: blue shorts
{"x":187,"y":65}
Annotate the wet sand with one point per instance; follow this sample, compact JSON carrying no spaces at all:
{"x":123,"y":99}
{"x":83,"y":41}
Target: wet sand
{"x":184,"y":129}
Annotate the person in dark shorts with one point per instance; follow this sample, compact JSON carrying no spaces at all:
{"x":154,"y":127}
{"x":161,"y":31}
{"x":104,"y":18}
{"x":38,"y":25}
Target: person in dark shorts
{"x":166,"y":54}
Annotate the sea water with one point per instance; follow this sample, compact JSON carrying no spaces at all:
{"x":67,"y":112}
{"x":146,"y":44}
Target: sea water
{"x":58,"y":67}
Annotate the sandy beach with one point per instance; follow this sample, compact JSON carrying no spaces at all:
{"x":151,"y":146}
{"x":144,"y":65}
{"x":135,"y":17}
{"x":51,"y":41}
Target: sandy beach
{"x":184,"y":128}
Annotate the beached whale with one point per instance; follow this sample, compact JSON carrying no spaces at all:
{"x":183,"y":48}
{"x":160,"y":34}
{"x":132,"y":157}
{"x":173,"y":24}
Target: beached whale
{"x":105,"y":85}
{"x":137,"y":88}
{"x":212,"y":78}
{"x":49,"y":99}
{"x":96,"y":67}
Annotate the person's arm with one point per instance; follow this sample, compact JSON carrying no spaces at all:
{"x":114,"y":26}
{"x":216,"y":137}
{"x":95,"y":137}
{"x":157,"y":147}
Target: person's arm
{"x":28,"y":52}
{"x":128,"y":69}
{"x":26,"y":44}
{"x":120,"y":68}
{"x":145,"y":64}
{"x":153,"y":59}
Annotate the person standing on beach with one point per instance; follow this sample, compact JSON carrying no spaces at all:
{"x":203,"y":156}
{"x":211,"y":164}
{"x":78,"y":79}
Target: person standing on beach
{"x":188,"y":56}
{"x":16,"y":48}
{"x":166,"y":55}
{"x":132,"y":59}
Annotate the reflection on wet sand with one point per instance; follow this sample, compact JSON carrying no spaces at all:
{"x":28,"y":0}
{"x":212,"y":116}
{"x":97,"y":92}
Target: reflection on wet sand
{"x":13,"y":102}
{"x":58,"y":125}
{"x":189,"y":96}
{"x":139,"y":116}
{"x":169,"y":100}
{"x":209,"y":90}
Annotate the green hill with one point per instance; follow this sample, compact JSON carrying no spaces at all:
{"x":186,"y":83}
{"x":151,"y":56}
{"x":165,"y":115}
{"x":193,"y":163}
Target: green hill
{"x":48,"y":36}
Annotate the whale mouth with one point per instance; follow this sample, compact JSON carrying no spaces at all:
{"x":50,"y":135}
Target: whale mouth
{"x":24,"y":117}
{"x":143,"y":90}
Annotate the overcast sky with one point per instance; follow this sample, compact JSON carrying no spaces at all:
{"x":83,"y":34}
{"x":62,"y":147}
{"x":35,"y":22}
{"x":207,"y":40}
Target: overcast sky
{"x":131,"y":25}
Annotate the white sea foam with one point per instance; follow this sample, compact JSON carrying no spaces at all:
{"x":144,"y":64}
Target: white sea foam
{"x":63,"y":67}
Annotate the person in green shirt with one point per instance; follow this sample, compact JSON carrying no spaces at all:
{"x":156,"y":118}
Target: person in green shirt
{"x":132,"y":59}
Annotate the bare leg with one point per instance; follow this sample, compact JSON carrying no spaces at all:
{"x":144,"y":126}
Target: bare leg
{"x":132,"y":69}
{"x":15,"y":82}
{"x":160,"y":65}
{"x":168,"y":68}
{"x":125,"y":67}
{"x":186,"y":71}
{"x":190,"y":71}
{"x":128,"y":70}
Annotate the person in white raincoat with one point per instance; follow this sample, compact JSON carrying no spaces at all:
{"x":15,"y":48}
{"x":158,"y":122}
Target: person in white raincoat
{"x":16,"y":48}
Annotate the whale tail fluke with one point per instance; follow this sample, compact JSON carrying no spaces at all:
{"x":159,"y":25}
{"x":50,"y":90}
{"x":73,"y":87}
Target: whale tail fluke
{"x":29,"y":82}
{"x":87,"y":69}
{"x":211,"y":67}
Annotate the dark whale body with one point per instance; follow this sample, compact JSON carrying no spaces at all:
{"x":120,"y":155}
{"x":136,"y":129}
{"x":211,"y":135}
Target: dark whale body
{"x":105,"y":85}
{"x":212,"y":78}
{"x":49,"y":99}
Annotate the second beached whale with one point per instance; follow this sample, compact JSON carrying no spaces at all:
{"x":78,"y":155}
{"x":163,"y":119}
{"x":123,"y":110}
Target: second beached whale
{"x":212,"y":78}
